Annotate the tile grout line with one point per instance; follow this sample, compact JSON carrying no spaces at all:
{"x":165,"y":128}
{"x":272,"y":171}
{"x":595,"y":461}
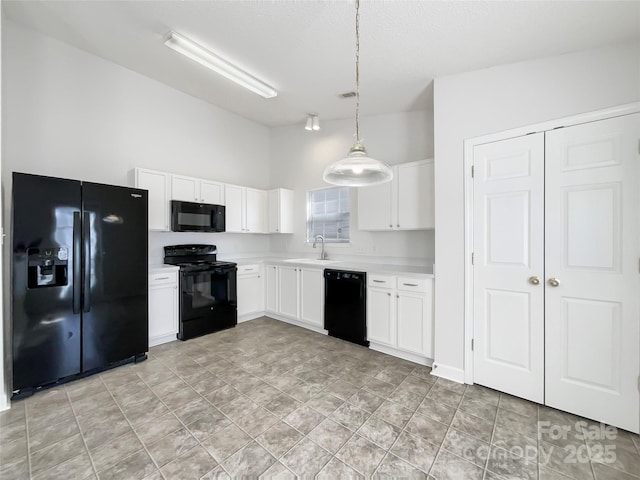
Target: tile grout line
{"x":26,"y":435}
{"x":199,"y":443}
{"x":493,"y":434}
{"x":435,"y":458}
{"x":233,"y":422}
{"x":84,"y":441}
{"x":132,"y":427}
{"x":404,"y":429}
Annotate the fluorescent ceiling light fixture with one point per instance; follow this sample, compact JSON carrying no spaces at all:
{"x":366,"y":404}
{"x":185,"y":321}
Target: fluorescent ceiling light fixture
{"x":313,"y":123}
{"x":205,"y":57}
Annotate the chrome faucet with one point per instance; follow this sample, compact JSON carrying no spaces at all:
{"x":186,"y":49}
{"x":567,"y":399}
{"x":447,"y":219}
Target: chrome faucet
{"x":323,"y":254}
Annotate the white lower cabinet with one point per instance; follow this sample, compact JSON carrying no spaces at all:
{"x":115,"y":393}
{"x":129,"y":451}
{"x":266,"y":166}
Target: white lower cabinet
{"x":312,"y":296}
{"x":381,"y":306}
{"x":296,"y":293}
{"x":163,"y":305}
{"x":414,"y":323}
{"x":271,"y":288}
{"x":289,"y":295}
{"x":250,"y":292}
{"x":400,"y":315}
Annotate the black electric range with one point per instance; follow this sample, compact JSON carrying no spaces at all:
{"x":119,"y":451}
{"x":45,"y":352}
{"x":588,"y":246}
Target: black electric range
{"x":208,"y":289}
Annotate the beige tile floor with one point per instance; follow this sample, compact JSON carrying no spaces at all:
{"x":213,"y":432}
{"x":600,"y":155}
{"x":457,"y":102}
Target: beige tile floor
{"x":270,"y":400}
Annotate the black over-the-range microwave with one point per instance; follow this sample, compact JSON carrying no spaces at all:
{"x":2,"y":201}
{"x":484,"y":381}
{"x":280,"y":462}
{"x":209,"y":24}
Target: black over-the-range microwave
{"x":196,"y":217}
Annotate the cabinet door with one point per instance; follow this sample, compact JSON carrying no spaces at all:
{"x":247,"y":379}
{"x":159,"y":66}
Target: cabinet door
{"x":157,"y":183}
{"x":186,"y":189}
{"x":234,"y":215}
{"x":256,"y":211}
{"x":411,"y":325}
{"x":274,"y":211}
{"x":288,"y":291}
{"x":211,"y":192}
{"x":374,"y":207}
{"x":312,"y":296}
{"x":163,"y":312}
{"x":250,"y":294}
{"x":381,"y":313}
{"x":415,"y":196}
{"x":281,"y":211}
{"x":271,"y":288}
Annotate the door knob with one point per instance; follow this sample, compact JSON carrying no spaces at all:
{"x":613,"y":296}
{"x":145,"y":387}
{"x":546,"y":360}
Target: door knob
{"x":534,"y":280}
{"x":554,"y":282}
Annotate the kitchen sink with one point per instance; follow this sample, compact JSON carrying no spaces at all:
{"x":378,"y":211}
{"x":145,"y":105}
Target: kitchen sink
{"x":312,"y":261}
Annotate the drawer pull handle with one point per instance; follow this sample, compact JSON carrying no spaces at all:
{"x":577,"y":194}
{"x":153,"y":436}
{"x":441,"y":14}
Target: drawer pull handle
{"x":380,"y":281}
{"x":162,"y":278}
{"x":410,"y":284}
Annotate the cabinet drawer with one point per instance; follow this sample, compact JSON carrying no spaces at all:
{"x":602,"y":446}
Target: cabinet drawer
{"x":163,"y":278}
{"x":410,"y":284}
{"x":242,"y":269}
{"x":381,"y":281}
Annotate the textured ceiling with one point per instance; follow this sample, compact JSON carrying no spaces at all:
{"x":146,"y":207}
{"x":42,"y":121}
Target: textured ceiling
{"x":305,"y":49}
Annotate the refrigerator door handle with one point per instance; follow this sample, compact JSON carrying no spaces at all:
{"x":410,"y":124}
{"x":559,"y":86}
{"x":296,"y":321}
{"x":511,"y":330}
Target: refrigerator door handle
{"x":86,"y":276}
{"x":77,"y":260}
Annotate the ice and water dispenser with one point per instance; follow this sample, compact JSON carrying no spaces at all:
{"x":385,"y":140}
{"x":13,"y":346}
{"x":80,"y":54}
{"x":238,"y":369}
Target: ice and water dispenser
{"x":47,"y":267}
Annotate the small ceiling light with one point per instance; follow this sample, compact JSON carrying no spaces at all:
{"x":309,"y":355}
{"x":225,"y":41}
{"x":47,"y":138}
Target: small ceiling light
{"x":357,"y":169}
{"x":200,"y":54}
{"x":313,"y":123}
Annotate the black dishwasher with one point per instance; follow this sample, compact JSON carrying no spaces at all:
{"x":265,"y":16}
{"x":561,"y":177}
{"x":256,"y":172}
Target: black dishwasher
{"x":345,"y":305}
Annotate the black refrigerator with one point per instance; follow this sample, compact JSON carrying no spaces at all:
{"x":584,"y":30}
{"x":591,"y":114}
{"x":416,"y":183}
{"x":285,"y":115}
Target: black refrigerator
{"x":79,"y":279}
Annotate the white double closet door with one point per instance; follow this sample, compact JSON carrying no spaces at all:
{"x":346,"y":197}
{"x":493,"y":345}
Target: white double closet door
{"x":556,"y":242}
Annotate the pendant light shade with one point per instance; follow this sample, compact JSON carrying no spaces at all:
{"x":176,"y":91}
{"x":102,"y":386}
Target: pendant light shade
{"x":357,"y":169}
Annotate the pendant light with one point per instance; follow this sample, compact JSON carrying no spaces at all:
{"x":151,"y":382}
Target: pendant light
{"x":357,"y":169}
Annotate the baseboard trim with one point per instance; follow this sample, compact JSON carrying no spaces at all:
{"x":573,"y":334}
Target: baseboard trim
{"x":411,"y":357}
{"x":250,"y":316}
{"x":447,"y":372}
{"x":4,"y":402}
{"x":297,"y":323}
{"x":163,"y":339}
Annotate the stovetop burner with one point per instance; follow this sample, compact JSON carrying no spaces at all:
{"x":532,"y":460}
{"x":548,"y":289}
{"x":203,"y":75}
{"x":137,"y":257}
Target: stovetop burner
{"x":194,"y":257}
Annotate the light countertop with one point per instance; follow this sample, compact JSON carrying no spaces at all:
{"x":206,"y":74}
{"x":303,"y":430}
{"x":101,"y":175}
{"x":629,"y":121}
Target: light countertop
{"x":426,"y":271}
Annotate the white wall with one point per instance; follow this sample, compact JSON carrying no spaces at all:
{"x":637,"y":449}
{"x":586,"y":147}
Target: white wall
{"x":67,"y":113}
{"x":3,"y":361}
{"x":477,"y":103}
{"x":71,"y":114}
{"x":299,"y":157}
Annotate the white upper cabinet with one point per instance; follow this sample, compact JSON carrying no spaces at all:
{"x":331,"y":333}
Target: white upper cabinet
{"x":256,"y":210}
{"x":159,"y":187}
{"x":405,"y":203}
{"x":280,"y":211}
{"x":415,"y":196}
{"x":211,"y":192}
{"x":185,"y":189}
{"x":234,"y":216}
{"x":189,"y":189}
{"x":246,"y":209}
{"x":374,"y":207}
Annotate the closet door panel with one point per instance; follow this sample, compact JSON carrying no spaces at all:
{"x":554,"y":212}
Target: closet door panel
{"x":508,"y":236}
{"x":592,"y":304}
